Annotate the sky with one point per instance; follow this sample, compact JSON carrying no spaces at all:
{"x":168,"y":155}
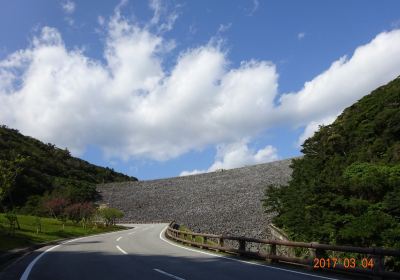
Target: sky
{"x":158,"y":89}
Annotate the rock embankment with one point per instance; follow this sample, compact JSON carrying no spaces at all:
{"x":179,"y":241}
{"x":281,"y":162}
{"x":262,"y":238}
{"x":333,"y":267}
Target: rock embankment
{"x":226,"y":202}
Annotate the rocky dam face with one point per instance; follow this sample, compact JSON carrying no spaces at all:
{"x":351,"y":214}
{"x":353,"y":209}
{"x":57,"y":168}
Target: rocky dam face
{"x":221,"y":202}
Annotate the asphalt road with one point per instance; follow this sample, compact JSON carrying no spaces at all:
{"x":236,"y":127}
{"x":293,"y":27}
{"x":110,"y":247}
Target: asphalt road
{"x":143,"y":253}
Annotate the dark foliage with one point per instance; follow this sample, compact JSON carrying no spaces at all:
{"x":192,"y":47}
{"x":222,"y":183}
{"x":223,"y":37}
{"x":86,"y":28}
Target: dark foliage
{"x":48,"y":169}
{"x":346,"y":188}
{"x":80,"y":211}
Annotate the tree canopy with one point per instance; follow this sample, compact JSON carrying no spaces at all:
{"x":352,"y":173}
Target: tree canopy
{"x":346,"y":187}
{"x":45,"y":169}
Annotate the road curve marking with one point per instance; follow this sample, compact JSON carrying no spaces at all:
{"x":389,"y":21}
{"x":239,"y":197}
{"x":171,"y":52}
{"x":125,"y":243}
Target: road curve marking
{"x":28,"y":270}
{"x":122,"y":251}
{"x":30,"y":266}
{"x":168,"y":274}
{"x":119,"y":238}
{"x":242,"y":261}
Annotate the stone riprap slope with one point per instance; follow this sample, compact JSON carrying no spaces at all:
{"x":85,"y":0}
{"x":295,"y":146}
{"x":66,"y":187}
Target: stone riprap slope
{"x":227,"y":202}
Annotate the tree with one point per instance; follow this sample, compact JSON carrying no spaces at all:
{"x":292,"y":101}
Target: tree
{"x":9,"y":171}
{"x":12,"y":221}
{"x":47,"y":168}
{"x":80,"y":212}
{"x":110,"y":215}
{"x":346,"y":187}
{"x":56,"y":207}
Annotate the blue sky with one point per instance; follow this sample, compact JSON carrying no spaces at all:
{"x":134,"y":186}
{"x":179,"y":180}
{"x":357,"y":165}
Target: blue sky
{"x":162,"y":88}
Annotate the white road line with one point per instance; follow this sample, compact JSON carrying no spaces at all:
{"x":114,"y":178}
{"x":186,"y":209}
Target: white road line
{"x":237,"y":260}
{"x":28,"y":270}
{"x":168,"y":274}
{"x":30,"y":266}
{"x":122,"y":251}
{"x":76,"y":239}
{"x":119,"y":238}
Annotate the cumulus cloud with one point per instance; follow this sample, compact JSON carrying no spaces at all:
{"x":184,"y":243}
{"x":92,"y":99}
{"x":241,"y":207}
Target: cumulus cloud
{"x":237,"y":155}
{"x":131,"y":107}
{"x":346,"y":81}
{"x":192,"y":172}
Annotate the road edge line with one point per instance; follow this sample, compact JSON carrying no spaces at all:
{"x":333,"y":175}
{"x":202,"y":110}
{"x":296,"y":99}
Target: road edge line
{"x":29,"y":268}
{"x":168,"y":274}
{"x":27,"y":271}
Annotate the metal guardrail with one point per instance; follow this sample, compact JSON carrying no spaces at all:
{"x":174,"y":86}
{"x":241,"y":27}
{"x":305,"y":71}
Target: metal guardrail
{"x":372,"y":265}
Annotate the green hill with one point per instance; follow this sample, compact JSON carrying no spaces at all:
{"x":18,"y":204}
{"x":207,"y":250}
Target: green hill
{"x":47,"y":169}
{"x":346,"y":188}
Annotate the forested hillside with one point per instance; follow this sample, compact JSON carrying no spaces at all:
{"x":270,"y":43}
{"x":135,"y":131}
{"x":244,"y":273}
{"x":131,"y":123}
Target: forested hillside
{"x":43,"y":169}
{"x":346,"y":188}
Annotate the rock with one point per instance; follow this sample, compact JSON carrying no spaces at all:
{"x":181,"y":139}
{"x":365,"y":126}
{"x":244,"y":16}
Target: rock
{"x":227,"y":202}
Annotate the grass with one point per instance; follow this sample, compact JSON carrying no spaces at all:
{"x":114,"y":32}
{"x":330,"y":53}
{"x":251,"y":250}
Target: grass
{"x":198,"y":239}
{"x":52,"y":230}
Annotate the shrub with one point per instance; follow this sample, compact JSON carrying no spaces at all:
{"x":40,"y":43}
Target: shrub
{"x":110,"y":215}
{"x":80,"y":212}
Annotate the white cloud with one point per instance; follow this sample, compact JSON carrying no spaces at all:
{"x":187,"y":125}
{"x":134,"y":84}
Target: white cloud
{"x":224,"y":27}
{"x":157,"y":8}
{"x":193,"y":172}
{"x":101,"y":20}
{"x":254,"y":8}
{"x":130,"y":106}
{"x":237,"y":155}
{"x":301,"y":35}
{"x":68,"y":7}
{"x":347,"y":80}
{"x":163,"y":20}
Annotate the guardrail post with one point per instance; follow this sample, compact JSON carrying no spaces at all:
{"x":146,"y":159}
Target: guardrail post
{"x":220,"y":243}
{"x":315,"y":253}
{"x":204,"y":242}
{"x":185,"y":237}
{"x":272,"y":252}
{"x":379,"y":266}
{"x":190,"y":238}
{"x":242,"y":246}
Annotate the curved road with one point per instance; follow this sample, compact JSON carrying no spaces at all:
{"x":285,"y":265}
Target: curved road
{"x":143,"y":253}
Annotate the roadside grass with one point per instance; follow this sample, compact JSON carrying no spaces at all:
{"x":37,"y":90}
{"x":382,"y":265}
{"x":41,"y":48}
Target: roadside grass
{"x":198,"y":239}
{"x":51,"y":230}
